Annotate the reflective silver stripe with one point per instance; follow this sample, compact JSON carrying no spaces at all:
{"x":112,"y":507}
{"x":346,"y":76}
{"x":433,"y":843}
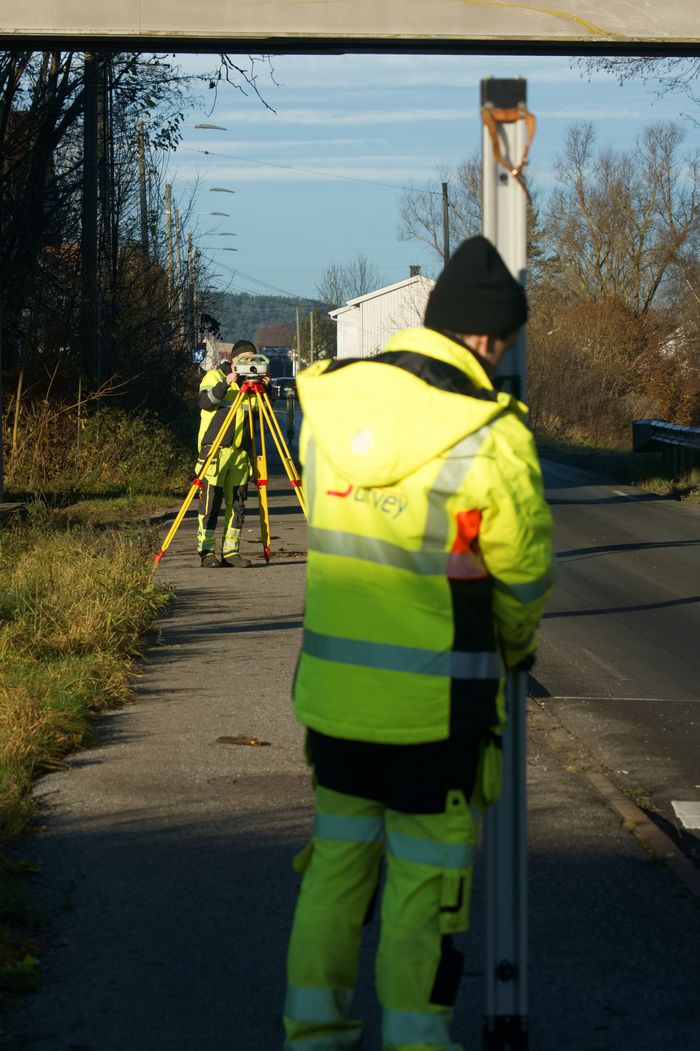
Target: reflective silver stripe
{"x":448,"y":481}
{"x":348,"y":829}
{"x":429,"y":852}
{"x":417,"y":1027}
{"x":531,"y":591}
{"x":212,"y":399}
{"x":410,"y":659}
{"x":371,"y":549}
{"x":304,"y":1004}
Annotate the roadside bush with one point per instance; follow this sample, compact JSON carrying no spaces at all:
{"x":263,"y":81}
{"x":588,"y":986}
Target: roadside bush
{"x":594,"y":367}
{"x":55,"y":449}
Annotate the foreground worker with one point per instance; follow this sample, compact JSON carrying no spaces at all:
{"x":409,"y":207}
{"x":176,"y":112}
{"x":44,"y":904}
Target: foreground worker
{"x":429,"y":561}
{"x":226,"y":480}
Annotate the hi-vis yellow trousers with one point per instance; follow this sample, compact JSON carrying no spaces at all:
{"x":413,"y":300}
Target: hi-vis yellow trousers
{"x":429,"y":861}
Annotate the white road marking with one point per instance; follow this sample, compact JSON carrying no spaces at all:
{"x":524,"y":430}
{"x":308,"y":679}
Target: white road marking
{"x":654,"y":700}
{"x":618,"y":492}
{"x":687,"y":812}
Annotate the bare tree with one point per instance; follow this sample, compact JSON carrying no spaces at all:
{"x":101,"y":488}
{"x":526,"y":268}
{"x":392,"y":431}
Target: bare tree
{"x":343,"y":281}
{"x":620,"y":222}
{"x":421,"y":211}
{"x":677,"y":75}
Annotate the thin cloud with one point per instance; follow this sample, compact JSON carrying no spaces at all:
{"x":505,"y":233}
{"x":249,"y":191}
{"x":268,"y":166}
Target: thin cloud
{"x":400,"y":174}
{"x":312,"y":116}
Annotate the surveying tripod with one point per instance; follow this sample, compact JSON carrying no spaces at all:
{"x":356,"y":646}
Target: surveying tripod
{"x":252,"y":388}
{"x":508,"y":130}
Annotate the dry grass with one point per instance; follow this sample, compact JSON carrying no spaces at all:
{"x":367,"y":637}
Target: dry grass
{"x":73,"y":609}
{"x":72,"y":613}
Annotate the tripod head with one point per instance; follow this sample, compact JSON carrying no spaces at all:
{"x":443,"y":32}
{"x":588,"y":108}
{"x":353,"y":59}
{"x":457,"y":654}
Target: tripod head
{"x":253,"y":386}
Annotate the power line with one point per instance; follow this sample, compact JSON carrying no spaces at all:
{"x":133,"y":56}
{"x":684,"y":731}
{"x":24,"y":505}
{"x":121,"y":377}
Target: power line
{"x":312,"y":171}
{"x":254,"y":280}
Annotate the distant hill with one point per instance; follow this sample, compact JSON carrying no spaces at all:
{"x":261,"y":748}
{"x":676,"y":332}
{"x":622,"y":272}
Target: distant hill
{"x":241,"y":314}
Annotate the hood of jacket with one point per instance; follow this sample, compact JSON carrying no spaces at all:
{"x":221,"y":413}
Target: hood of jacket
{"x":376,"y":422}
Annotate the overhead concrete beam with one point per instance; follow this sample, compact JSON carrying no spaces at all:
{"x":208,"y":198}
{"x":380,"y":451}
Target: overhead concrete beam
{"x":390,"y":21}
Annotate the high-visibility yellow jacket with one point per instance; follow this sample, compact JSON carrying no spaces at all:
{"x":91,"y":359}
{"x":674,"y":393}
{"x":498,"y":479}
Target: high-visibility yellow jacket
{"x":429,"y":547}
{"x":215,"y":399}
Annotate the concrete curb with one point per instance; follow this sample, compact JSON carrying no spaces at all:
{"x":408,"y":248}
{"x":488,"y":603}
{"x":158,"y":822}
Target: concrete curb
{"x":578,"y":760}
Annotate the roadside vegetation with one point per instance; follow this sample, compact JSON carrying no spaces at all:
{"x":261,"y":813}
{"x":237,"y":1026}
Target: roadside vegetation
{"x":647,"y":470}
{"x":78,"y":594}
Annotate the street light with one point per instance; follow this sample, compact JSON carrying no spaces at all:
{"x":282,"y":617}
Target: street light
{"x":210,"y":127}
{"x":220,"y":189}
{"x":220,"y":213}
{"x":227,"y":233}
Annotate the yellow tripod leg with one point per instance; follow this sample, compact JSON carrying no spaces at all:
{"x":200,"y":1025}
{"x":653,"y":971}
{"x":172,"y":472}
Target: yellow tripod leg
{"x":198,"y":484}
{"x":283,"y":450}
{"x":259,"y":463}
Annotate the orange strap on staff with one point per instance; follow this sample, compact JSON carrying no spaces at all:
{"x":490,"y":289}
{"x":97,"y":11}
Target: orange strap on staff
{"x":492,"y":116}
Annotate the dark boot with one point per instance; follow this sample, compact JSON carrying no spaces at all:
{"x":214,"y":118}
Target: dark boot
{"x":209,"y":560}
{"x":235,"y":561}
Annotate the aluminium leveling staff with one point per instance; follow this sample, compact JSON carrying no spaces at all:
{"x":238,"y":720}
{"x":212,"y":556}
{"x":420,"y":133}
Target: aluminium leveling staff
{"x":226,"y":480}
{"x":429,"y":561}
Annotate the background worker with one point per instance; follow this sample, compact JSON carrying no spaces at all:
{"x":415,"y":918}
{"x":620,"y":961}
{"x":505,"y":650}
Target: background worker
{"x":429,"y":563}
{"x":226,"y":480}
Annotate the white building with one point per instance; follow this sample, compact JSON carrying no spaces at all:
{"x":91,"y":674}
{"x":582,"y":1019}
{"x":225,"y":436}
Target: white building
{"x":366,"y":323}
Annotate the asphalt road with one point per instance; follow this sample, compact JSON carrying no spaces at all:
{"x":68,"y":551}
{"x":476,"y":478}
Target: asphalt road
{"x":620,"y":642}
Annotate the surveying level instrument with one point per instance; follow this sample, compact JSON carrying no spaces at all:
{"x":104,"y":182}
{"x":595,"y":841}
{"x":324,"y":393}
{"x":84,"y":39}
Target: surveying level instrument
{"x":508,"y":131}
{"x":253,"y":387}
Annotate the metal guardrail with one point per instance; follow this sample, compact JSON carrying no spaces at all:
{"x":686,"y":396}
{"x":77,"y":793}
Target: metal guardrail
{"x":679,"y":446}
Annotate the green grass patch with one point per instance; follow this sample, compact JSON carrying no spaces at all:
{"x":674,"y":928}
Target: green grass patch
{"x":73,"y":609}
{"x":121,"y":510}
{"x":646,"y":470}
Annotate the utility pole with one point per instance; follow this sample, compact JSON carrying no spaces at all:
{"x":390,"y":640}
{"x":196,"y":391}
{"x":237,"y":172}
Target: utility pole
{"x":105,"y":241}
{"x":169,"y":237}
{"x":311,"y":337}
{"x":2,"y":300}
{"x":296,"y":363}
{"x":506,"y":126}
{"x":180,"y":299}
{"x":2,"y":417}
{"x":88,"y":292}
{"x":143,"y":196}
{"x":191,"y":308}
{"x":445,"y":224}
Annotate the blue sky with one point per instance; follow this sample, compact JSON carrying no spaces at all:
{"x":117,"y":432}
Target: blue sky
{"x":378,"y":119}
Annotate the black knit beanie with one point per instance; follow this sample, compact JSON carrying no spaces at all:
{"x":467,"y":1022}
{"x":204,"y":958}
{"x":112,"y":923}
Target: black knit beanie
{"x":476,"y":293}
